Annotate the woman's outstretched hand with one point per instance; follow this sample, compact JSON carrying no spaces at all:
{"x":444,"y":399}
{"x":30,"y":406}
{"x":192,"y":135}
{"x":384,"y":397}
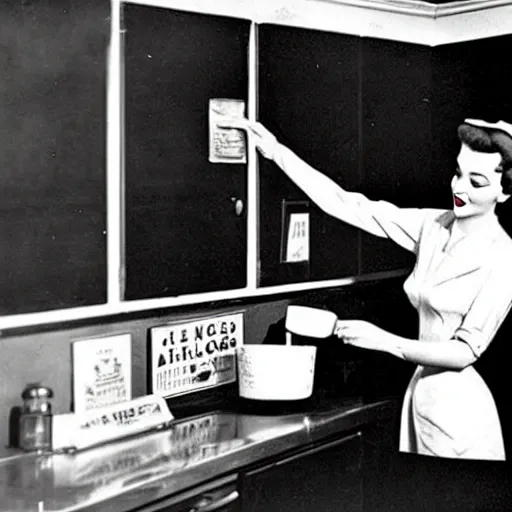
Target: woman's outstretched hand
{"x":264,"y":140}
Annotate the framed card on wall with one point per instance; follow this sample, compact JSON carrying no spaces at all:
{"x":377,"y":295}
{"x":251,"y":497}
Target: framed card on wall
{"x":194,"y":355}
{"x":102,"y":371}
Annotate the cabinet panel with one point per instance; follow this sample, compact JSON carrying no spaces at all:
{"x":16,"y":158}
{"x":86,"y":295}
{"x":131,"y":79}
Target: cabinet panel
{"x":182,"y":232}
{"x":414,"y":98}
{"x":396,"y":138}
{"x":471,"y":80}
{"x":52,"y":155}
{"x":328,"y":478}
{"x":308,"y":96}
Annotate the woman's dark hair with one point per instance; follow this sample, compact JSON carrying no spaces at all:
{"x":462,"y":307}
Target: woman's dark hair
{"x":490,"y":140}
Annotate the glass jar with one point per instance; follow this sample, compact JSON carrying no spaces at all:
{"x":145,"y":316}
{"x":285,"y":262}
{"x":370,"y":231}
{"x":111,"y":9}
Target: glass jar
{"x":36,"y":418}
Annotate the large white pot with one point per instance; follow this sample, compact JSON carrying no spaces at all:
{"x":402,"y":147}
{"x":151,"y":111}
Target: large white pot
{"x":276,"y":372}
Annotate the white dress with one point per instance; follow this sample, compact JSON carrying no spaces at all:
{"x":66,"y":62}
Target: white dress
{"x":461,"y":291}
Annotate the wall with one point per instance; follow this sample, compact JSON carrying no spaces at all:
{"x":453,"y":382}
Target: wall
{"x":52,"y":154}
{"x":43,"y":353}
{"x":46,"y":356}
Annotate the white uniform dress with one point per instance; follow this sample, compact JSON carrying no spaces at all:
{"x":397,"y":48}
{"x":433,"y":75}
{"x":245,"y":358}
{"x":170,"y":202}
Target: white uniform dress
{"x":461,"y":286}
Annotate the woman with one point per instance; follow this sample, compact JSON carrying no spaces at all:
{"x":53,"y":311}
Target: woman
{"x":461,"y":286}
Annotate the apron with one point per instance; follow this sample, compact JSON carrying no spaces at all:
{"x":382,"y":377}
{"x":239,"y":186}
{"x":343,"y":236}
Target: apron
{"x":458,"y":292}
{"x":450,"y":414}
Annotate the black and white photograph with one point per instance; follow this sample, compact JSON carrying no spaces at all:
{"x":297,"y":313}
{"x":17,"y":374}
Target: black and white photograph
{"x":256,"y":255}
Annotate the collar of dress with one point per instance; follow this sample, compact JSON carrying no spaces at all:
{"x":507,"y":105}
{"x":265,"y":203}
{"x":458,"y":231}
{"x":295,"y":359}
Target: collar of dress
{"x":480,"y":238}
{"x":446,"y":258}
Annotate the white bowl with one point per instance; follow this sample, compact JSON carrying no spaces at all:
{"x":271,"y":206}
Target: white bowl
{"x":276,"y":372}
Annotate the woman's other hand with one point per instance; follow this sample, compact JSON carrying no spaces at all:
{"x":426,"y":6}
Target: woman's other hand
{"x":449,"y":354}
{"x":363,"y":334}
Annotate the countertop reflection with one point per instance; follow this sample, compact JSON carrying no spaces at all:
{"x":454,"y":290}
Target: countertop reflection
{"x":130,"y":473}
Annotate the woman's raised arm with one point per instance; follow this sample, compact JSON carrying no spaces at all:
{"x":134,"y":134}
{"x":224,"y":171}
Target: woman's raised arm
{"x":322,"y":190}
{"x":380,"y":218}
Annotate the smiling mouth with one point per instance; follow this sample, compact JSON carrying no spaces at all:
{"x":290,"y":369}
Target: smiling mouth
{"x":458,"y":201}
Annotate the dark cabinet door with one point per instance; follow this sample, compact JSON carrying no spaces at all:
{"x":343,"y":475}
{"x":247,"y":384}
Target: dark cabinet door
{"x":327,"y":478}
{"x":52,"y":154}
{"x":182,"y":234}
{"x":471,"y":81}
{"x":308,"y":96}
{"x":413,"y":99}
{"x":396,"y":139}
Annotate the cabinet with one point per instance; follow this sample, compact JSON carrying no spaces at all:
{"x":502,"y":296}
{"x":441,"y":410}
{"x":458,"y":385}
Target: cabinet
{"x":308,"y":85}
{"x":377,"y":116}
{"x":182,"y":233}
{"x":52,"y":155}
{"x":327,"y":478}
{"x":396,"y":140}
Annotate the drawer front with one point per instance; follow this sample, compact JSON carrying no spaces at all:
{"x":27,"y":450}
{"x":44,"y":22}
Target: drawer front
{"x":326,"y":478}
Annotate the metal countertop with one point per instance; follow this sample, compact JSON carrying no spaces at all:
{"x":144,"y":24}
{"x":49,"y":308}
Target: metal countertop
{"x":131,"y":473}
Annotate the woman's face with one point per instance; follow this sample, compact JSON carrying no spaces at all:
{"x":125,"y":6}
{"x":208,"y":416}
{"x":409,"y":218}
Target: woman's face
{"x":476,"y":186}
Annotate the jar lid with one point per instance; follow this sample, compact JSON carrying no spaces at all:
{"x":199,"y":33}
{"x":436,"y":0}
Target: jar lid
{"x":35,"y":390}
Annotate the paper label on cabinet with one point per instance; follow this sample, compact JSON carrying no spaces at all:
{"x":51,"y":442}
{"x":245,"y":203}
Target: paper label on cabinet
{"x":297,"y":244}
{"x":227,"y":145}
{"x":195,"y":355}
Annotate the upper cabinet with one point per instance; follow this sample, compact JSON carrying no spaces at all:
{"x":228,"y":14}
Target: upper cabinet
{"x":308,"y":95}
{"x":395,"y":139}
{"x":413,"y":99}
{"x":52,"y":154}
{"x":378,"y":116}
{"x":185,"y":222}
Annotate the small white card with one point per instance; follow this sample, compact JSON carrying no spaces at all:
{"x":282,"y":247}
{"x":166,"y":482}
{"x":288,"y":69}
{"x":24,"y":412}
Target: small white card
{"x":227,"y":145}
{"x":297,"y":243}
{"x":102,"y":371}
{"x":104,"y":424}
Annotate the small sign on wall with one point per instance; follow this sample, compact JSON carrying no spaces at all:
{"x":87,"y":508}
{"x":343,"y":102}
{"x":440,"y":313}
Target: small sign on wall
{"x":102,"y":371}
{"x":194,"y":355}
{"x":297,"y":246}
{"x":295,"y":232}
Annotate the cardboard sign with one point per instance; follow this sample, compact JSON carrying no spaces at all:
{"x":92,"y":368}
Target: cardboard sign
{"x":297,"y":247}
{"x":195,"y":355}
{"x":227,"y":145}
{"x":102,"y":370}
{"x":104,"y":424}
